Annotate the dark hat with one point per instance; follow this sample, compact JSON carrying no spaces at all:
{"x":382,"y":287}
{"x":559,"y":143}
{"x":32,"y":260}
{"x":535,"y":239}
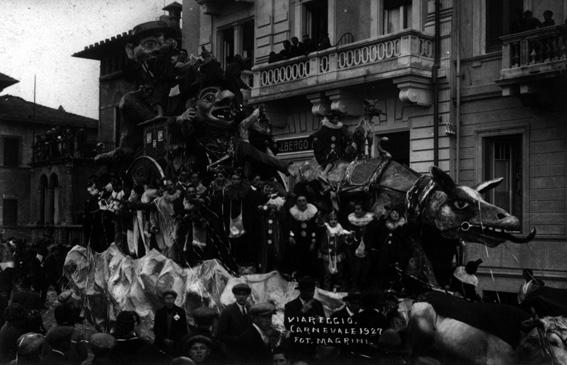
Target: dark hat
{"x":353,"y":296}
{"x":142,"y":30}
{"x":198,"y":338}
{"x":472,"y":266}
{"x":59,"y":337}
{"x":169,"y":292}
{"x":262,"y":309}
{"x":101,"y":342}
{"x":204,"y":315}
{"x":30,"y":344}
{"x":241,"y":288}
{"x":306,"y":283}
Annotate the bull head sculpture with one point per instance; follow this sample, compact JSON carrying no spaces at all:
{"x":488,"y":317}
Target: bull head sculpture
{"x":460,"y":212}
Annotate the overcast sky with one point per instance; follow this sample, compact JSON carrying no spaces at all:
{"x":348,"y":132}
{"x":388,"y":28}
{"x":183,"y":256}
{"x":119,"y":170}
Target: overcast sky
{"x":38,"y":37}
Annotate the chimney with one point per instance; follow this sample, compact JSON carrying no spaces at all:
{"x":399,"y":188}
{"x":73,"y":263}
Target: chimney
{"x":173,"y":13}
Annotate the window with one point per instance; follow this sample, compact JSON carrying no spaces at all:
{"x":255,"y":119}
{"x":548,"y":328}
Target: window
{"x":316,"y":20}
{"x":11,"y":151}
{"x":503,"y":158}
{"x":10,"y":212}
{"x":397,"y":15}
{"x":398,"y":145}
{"x":237,"y":40}
{"x":502,"y":17}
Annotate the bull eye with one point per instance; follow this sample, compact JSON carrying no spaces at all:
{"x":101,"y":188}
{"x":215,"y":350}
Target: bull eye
{"x":460,"y":204}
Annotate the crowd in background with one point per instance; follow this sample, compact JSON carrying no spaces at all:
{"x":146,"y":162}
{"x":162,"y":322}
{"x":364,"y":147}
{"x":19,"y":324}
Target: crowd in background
{"x":294,"y":48}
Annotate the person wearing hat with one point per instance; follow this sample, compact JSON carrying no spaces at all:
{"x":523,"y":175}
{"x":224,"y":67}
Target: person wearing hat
{"x":30,"y":346}
{"x":465,"y":281}
{"x":204,"y":318}
{"x":11,"y":330}
{"x":234,"y":318}
{"x":66,"y":316}
{"x":256,"y":343}
{"x":59,"y":340}
{"x":170,"y":324}
{"x":198,"y":349}
{"x":351,"y":307}
{"x":329,"y":142}
{"x":131,"y":349}
{"x":101,"y":347}
{"x":300,"y":310}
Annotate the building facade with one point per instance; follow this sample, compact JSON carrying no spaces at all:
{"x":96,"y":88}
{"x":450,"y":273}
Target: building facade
{"x":458,"y":83}
{"x":43,"y":156}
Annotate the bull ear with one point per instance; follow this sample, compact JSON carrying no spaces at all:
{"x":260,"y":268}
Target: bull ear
{"x":442,"y":179}
{"x":487,"y":185}
{"x":129,"y":48}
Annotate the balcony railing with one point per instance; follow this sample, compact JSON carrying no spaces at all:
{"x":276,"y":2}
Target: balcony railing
{"x":537,"y":51}
{"x":380,"y":57}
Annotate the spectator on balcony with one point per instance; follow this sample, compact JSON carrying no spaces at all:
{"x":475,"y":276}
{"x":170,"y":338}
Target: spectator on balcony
{"x":285,"y":53}
{"x":324,"y":42}
{"x":529,"y":21}
{"x":297,"y":48}
{"x":548,"y":19}
{"x":274,"y":57}
{"x":308,"y":44}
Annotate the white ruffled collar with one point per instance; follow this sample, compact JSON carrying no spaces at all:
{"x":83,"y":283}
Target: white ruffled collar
{"x":326,"y":123}
{"x":304,"y":215}
{"x":360,"y":221}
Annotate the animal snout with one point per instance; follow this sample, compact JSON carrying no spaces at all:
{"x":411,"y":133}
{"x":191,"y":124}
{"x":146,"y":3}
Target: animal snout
{"x":508,"y":221}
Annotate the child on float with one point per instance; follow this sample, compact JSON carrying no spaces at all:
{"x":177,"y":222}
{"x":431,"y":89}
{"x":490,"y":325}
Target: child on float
{"x":332,"y":253}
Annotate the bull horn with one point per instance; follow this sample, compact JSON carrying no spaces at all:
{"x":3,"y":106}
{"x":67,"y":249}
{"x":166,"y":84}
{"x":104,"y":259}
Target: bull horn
{"x":525,"y":239}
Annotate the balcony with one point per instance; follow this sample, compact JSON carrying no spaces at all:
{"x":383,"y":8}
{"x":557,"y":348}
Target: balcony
{"x":532,"y":57}
{"x":406,"y":58}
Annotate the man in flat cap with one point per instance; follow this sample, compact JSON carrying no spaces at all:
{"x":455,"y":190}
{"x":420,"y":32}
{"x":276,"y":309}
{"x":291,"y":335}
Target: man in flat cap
{"x":351,"y":307}
{"x":59,"y":341}
{"x":204,"y":318}
{"x":198,"y":349}
{"x":131,"y":349}
{"x":30,"y":347}
{"x":234,"y":319}
{"x":256,"y":343}
{"x":170,"y":324}
{"x":101,"y":347}
{"x":300,"y":310}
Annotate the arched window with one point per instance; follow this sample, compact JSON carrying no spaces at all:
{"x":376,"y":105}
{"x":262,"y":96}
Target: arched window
{"x":53,"y":200}
{"x":42,"y":198}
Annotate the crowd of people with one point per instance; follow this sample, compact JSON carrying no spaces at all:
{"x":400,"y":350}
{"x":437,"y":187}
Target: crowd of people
{"x":60,"y":143}
{"x":294,"y":48}
{"x":527,"y":21}
{"x":241,"y":333}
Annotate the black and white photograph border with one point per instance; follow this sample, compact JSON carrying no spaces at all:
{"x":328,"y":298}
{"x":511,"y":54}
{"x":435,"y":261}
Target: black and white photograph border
{"x":283,"y":182}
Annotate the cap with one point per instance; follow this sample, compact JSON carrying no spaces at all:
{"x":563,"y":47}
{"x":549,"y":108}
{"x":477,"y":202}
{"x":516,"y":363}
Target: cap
{"x":59,"y":337}
{"x":30,"y":344}
{"x":241,"y":288}
{"x":198,"y":338}
{"x":169,"y":292}
{"x":101,"y":342}
{"x":204,"y":314}
{"x":306,"y":283}
{"x":262,"y":309}
{"x":144,"y":29}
